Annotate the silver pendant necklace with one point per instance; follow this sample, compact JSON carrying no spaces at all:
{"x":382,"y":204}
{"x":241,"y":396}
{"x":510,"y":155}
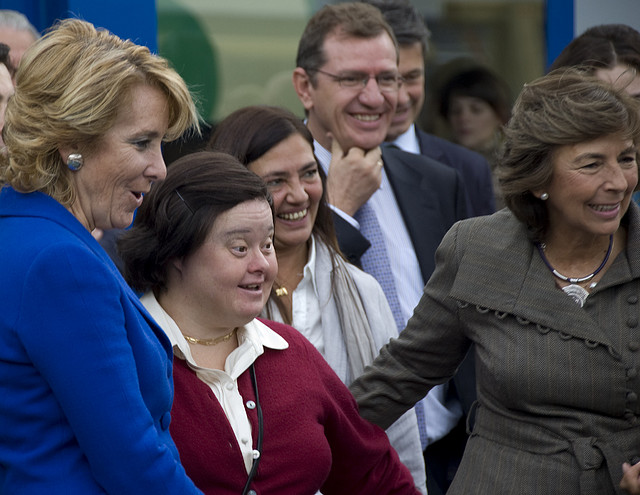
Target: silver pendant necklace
{"x":578,"y":293}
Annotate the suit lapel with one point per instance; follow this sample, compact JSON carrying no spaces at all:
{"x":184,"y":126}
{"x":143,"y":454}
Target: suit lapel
{"x":418,"y":203}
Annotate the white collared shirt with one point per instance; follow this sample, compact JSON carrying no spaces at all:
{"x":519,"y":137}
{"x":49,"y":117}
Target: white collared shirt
{"x":408,"y":141}
{"x":404,"y":262}
{"x":252,"y":339}
{"x":305,"y":304}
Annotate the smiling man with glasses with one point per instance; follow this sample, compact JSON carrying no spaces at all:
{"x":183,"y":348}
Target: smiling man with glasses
{"x":391,"y":208}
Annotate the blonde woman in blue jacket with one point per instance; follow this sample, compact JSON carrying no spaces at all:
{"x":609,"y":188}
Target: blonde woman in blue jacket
{"x":85,"y":374}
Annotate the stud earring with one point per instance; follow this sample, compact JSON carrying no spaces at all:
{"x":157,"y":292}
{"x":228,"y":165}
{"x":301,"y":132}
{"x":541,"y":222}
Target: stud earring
{"x":75,"y":161}
{"x":544,"y":196}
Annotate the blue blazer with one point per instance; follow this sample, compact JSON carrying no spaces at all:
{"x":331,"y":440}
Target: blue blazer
{"x":472,"y":167}
{"x":85,"y":373}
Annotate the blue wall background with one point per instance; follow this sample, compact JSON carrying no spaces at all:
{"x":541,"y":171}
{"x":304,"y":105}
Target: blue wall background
{"x":135,"y":20}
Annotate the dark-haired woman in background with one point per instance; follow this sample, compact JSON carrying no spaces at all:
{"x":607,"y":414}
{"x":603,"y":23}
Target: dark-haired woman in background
{"x":475,"y":103}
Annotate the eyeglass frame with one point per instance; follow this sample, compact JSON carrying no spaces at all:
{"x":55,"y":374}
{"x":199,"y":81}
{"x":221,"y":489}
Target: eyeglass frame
{"x":360,"y":80}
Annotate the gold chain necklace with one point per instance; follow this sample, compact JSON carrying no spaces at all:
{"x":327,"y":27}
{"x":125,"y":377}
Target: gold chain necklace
{"x":217,"y":340}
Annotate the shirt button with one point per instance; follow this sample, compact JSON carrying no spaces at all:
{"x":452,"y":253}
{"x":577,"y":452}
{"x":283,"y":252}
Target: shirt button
{"x":250,"y":404}
{"x":245,"y":440}
{"x":633,"y":346}
{"x":632,"y":299}
{"x":230,"y":386}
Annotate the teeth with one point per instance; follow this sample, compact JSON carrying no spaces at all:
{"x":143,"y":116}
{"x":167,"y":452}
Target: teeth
{"x":293,"y":216}
{"x":252,"y":287}
{"x":367,"y":118}
{"x":604,"y":207}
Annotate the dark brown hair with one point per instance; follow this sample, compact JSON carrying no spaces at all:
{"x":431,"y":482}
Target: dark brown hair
{"x":477,"y":82}
{"x":177,"y":215}
{"x":602,"y":47}
{"x":250,"y":132}
{"x":351,"y":19}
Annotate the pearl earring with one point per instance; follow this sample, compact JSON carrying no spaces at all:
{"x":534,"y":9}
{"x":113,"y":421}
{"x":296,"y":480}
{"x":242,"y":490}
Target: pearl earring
{"x":75,"y":161}
{"x":544,"y":196}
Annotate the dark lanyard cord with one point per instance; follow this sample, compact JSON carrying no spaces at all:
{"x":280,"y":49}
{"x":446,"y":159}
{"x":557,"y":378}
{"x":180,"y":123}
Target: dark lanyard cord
{"x":254,"y":468}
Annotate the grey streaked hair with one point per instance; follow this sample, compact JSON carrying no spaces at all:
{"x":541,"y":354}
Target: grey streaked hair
{"x":18,"y":21}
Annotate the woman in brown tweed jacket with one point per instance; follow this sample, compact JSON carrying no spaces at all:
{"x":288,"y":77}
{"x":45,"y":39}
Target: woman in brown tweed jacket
{"x":548,"y":290}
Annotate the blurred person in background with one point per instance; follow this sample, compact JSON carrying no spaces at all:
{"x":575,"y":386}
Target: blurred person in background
{"x":17,"y":32}
{"x":475,"y":104}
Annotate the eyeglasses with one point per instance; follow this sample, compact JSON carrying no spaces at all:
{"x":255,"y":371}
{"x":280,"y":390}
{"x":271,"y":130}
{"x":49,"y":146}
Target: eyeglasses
{"x":387,"y":81}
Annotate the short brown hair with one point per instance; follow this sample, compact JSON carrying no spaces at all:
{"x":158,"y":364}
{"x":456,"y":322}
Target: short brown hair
{"x":602,"y":47}
{"x":69,"y":88}
{"x":352,"y":19}
{"x":177,"y":215}
{"x":565,"y":107}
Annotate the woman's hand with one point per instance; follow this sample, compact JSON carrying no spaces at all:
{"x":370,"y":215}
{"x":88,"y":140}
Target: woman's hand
{"x":631,"y":478}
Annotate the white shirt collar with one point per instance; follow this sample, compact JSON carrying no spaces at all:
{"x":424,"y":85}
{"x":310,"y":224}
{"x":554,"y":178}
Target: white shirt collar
{"x":408,"y":141}
{"x":252,"y":338}
{"x":323,"y":155}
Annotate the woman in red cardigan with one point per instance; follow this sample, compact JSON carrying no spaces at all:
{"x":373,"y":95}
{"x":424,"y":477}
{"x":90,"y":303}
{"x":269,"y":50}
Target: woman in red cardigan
{"x":256,"y":408}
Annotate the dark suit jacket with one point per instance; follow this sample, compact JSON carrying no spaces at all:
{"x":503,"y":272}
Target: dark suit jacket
{"x":472,"y":166}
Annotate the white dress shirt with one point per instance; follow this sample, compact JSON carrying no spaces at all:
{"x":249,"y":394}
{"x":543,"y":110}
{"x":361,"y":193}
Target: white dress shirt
{"x":252,"y":339}
{"x":305,"y":304}
{"x":408,"y":141}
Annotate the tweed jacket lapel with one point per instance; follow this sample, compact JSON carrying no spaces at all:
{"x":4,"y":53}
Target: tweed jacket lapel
{"x":504,"y":273}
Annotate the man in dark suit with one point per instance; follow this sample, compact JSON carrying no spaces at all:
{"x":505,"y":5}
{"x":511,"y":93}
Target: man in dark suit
{"x":347,"y":79}
{"x":412,"y":35}
{"x":446,"y":437}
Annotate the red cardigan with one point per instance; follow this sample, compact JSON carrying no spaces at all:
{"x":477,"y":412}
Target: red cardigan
{"x":314,"y":438}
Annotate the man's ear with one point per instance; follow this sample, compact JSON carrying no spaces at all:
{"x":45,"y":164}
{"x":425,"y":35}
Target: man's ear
{"x":303,"y":87}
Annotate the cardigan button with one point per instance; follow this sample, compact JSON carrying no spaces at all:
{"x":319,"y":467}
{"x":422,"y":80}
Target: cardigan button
{"x":250,"y":404}
{"x":632,"y":322}
{"x":632,"y":373}
{"x":165,"y":420}
{"x":632,"y":299}
{"x":632,"y":397}
{"x":252,"y":492}
{"x":633,"y":346}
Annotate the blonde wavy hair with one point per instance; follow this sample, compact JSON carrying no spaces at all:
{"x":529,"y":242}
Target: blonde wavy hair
{"x":69,"y":88}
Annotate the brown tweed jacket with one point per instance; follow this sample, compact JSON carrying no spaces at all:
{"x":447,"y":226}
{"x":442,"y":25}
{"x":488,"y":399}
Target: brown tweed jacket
{"x":558,"y":385}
